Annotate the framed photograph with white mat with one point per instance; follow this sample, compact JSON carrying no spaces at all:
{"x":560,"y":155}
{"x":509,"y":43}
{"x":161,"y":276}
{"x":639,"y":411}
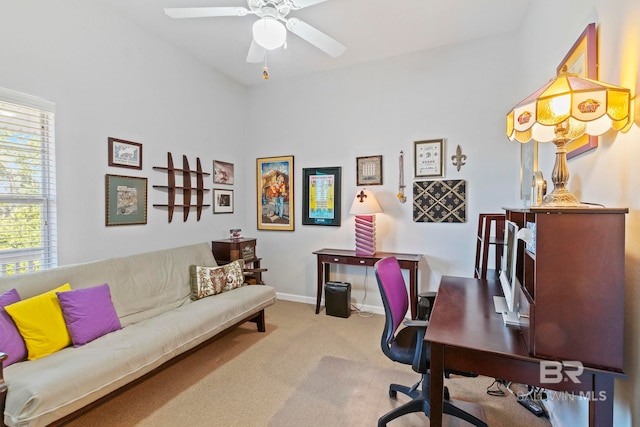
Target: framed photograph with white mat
{"x":222,"y":201}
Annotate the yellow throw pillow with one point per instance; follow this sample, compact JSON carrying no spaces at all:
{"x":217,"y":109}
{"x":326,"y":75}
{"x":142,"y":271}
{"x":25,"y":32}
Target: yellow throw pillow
{"x":41,"y":323}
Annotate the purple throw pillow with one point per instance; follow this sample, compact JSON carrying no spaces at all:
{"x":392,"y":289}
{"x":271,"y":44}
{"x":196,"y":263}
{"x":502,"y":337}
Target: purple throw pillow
{"x":89,"y":313}
{"x":11,"y":341}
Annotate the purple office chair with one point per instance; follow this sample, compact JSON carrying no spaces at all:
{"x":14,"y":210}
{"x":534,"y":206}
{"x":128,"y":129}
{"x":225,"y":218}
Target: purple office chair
{"x":406,"y":345}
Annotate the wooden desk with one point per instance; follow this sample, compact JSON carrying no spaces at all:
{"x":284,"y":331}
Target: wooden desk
{"x":347,"y":257}
{"x":465,"y":333}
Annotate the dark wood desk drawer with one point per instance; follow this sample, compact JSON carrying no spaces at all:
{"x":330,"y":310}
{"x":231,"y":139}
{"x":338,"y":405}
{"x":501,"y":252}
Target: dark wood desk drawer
{"x":369,"y":262}
{"x":345,"y":260}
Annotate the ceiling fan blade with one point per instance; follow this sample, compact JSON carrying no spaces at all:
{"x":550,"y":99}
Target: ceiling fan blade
{"x":204,"y":12}
{"x":316,"y":37}
{"x":256,"y":53}
{"x":299,"y":4}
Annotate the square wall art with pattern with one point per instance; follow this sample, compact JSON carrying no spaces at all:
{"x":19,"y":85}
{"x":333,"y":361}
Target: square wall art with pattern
{"x":440,"y":201}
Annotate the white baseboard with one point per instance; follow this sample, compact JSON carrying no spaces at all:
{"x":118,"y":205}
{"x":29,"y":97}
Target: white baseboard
{"x":312,"y":301}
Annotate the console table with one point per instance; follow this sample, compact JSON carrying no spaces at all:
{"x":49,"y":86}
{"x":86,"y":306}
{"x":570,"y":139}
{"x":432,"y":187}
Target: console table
{"x":349,"y":257}
{"x":466,"y":334}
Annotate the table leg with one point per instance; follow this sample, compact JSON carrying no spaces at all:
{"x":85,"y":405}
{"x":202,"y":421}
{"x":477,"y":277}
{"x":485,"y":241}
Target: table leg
{"x":413,"y":290}
{"x":601,"y":403}
{"x":436,"y":366}
{"x":320,"y":270}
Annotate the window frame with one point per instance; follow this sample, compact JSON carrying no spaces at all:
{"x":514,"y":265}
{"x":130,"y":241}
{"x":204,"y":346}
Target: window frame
{"x":27,"y":132}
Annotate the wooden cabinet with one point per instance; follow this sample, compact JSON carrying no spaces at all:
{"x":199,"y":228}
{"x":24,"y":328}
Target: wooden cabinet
{"x":573,"y":284}
{"x":227,"y":250}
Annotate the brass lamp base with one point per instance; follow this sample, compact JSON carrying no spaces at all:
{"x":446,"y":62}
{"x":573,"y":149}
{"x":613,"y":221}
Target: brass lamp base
{"x":560,"y":198}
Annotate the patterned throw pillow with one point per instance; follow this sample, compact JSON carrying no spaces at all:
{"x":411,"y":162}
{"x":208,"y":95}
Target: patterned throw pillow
{"x":207,"y":281}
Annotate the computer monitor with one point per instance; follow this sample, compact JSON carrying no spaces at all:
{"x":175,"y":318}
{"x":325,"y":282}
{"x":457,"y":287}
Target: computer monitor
{"x":508,"y":306}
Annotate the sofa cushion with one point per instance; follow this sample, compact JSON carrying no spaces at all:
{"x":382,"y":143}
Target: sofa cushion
{"x":11,"y":341}
{"x":207,"y":281}
{"x":41,"y":324}
{"x":88,"y":313}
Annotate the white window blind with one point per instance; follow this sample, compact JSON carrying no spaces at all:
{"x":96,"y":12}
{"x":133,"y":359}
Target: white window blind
{"x":27,"y":184}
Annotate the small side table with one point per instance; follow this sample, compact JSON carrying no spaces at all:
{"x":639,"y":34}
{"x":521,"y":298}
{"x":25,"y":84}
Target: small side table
{"x":349,"y":257}
{"x":227,"y":250}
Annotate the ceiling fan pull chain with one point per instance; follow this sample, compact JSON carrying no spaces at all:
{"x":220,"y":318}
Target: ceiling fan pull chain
{"x":265,"y":69}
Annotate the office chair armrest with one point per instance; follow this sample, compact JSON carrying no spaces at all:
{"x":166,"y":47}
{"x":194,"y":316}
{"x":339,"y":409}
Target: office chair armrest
{"x":416,"y":323}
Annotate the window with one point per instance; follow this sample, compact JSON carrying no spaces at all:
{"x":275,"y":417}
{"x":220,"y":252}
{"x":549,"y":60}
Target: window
{"x":27,"y":184}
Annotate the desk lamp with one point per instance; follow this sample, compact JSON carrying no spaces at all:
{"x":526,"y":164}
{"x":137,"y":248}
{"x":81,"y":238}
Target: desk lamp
{"x":364,"y":207}
{"x":564,"y":109}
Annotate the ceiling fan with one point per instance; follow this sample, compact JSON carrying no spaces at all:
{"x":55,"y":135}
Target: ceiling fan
{"x":268,"y":31}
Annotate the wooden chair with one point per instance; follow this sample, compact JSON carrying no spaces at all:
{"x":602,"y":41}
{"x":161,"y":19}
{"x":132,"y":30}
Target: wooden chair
{"x":485,"y":240}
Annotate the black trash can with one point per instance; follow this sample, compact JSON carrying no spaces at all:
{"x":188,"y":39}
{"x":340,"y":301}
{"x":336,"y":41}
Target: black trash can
{"x":425,"y":304}
{"x":337,"y":299}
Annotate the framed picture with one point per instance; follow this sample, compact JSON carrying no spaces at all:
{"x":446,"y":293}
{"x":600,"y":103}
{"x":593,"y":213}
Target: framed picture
{"x":369,"y":170}
{"x":222,"y":172}
{"x":125,"y":154}
{"x":274,"y":191}
{"x":528,"y":165}
{"x":222,"y":201}
{"x":125,"y":200}
{"x":321,"y":192}
{"x":582,"y":59}
{"x":428,"y":157}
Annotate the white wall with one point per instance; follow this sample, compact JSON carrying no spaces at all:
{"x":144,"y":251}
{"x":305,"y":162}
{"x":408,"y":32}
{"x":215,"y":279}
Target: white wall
{"x":110,"y":79}
{"x":460,"y":93}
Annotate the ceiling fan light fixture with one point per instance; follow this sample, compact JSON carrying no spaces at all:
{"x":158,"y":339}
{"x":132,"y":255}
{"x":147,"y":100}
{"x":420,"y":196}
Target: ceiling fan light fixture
{"x":269,"y":33}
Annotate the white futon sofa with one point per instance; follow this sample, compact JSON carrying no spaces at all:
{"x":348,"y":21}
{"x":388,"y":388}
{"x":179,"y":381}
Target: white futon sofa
{"x":151,"y":296}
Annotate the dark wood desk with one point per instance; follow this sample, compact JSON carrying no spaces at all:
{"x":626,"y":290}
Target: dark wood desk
{"x":347,"y":257}
{"x":465,"y":333}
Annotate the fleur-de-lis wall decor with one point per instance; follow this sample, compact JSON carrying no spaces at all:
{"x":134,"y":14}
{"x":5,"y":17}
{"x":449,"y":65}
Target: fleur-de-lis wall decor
{"x":459,"y":158}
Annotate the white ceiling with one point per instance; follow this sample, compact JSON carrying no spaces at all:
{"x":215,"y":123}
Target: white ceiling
{"x":370,"y":29}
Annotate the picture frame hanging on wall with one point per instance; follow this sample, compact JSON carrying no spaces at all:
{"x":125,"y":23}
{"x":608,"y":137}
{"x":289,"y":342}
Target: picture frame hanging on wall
{"x":428,"y":158}
{"x":582,"y":59}
{"x":125,"y":154}
{"x":321,"y":196}
{"x":369,"y":170}
{"x":222,"y":172}
{"x":125,"y":200}
{"x":275,"y":193}
{"x":222,"y":201}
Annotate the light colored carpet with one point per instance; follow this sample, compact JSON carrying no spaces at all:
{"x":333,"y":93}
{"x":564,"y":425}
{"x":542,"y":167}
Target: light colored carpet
{"x":343,"y":393}
{"x":246,"y":378}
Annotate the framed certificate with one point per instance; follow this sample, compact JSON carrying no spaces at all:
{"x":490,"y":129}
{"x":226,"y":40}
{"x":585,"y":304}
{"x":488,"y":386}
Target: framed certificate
{"x":428,"y":158}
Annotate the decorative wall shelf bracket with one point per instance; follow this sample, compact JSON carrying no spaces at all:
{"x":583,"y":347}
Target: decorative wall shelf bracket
{"x":185,"y":188}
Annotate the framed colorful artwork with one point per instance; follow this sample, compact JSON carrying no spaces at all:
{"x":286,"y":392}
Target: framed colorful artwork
{"x":274,"y":193}
{"x":582,"y":59}
{"x":125,"y":154}
{"x":321,"y":192}
{"x":125,"y":200}
{"x":222,"y":172}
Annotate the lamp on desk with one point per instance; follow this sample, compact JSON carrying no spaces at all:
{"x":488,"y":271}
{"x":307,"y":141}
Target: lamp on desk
{"x":364,"y":207}
{"x":564,"y":109}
